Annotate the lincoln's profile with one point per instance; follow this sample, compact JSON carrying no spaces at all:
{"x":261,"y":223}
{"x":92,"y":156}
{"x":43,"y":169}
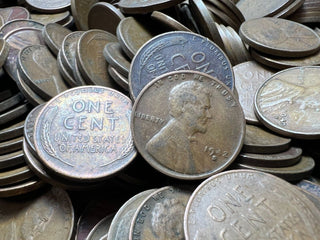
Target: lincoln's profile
{"x":189,"y":104}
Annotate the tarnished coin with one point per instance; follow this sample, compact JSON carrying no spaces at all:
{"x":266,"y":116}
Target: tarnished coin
{"x":12,"y":131}
{"x":38,"y":67}
{"x":80,"y":11}
{"x":11,"y":159}
{"x":15,"y":113}
{"x":283,"y":159}
{"x":104,"y":16}
{"x":132,"y":34}
{"x":258,"y":140}
{"x":249,"y":204}
{"x":49,"y":6}
{"x":280,"y":37}
{"x":19,"y":24}
{"x":289,"y":103}
{"x":17,"y":40}
{"x":294,"y":6}
{"x":50,"y":18}
{"x":118,"y":78}
{"x":13,"y":13}
{"x":101,"y":228}
{"x":19,"y":189}
{"x":47,"y":216}
{"x":11,"y":145}
{"x":114,"y":56}
{"x":84,"y":133}
{"x":16,"y":175}
{"x":120,"y":225}
{"x":67,"y":77}
{"x":90,"y":57}
{"x":296,"y":172}
{"x":248,"y":78}
{"x":11,"y":102}
{"x":160,"y":215}
{"x":4,"y":51}
{"x":175,"y":51}
{"x":53,"y":34}
{"x":196,"y":130}
{"x":314,"y":199}
{"x":169,"y":22}
{"x":310,"y":187}
{"x":142,"y":6}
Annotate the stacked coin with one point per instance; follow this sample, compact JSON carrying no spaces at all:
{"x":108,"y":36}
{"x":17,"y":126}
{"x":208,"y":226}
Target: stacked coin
{"x":307,"y":13}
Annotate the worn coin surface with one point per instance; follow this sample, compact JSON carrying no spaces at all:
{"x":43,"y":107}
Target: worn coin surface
{"x":175,"y":51}
{"x":4,"y":51}
{"x":160,"y":215}
{"x":289,"y":102}
{"x":248,"y":78}
{"x":84,"y":133}
{"x":196,"y":130}
{"x":48,"y":216}
{"x":143,"y":6}
{"x":18,"y":24}
{"x":229,"y":205}
{"x":13,"y":13}
{"x":80,"y":11}
{"x":280,"y":37}
{"x":118,"y":78}
{"x":171,"y":23}
{"x":49,"y":5}
{"x":50,"y":18}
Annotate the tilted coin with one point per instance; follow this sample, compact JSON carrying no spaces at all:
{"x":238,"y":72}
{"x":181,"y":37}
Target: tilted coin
{"x":49,"y":6}
{"x":4,"y":51}
{"x":142,"y":6}
{"x":288,"y":102}
{"x":11,"y":159}
{"x":15,"y":113}
{"x":187,"y":17}
{"x":50,"y":18}
{"x":18,"y":24}
{"x":280,"y":37}
{"x":13,"y":13}
{"x":120,"y":225}
{"x":104,"y":16}
{"x":53,"y":34}
{"x":169,"y":22}
{"x":294,"y":6}
{"x":84,"y":133}
{"x":160,"y":215}
{"x":114,"y":56}
{"x":38,"y":67}
{"x":101,"y":228}
{"x":16,"y":175}
{"x":80,"y":11}
{"x":68,"y":23}
{"x":12,"y":131}
{"x":283,"y":159}
{"x":233,"y":7}
{"x":229,"y":206}
{"x":258,"y":140}
{"x":248,"y":78}
{"x":314,"y":199}
{"x":227,"y":44}
{"x":20,"y":189}
{"x":175,"y":51}
{"x":196,"y":130}
{"x":77,"y":76}
{"x":67,"y":77}
{"x":118,"y":78}
{"x":296,"y":172}
{"x":11,"y":145}
{"x":11,"y":102}
{"x":310,"y":187}
{"x":48,"y":216}
{"x":90,"y":57}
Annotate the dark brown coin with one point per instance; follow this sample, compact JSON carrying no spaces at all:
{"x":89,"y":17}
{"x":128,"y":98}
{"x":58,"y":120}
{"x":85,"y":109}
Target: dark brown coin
{"x":196,"y":130}
{"x":300,"y":170}
{"x":118,"y":78}
{"x":104,"y":16}
{"x":38,"y":67}
{"x":248,"y":78}
{"x":283,"y":159}
{"x":178,"y":51}
{"x":13,"y":13}
{"x":17,"y":175}
{"x":80,"y":11}
{"x":50,"y":18}
{"x":18,"y":24}
{"x":280,"y":37}
{"x":142,"y":6}
{"x":14,"y":113}
{"x":84,"y":133}
{"x":11,"y":102}
{"x":160,"y":215}
{"x":114,"y":56}
{"x":21,"y":188}
{"x":225,"y":205}
{"x":288,"y":102}
{"x":90,"y":58}
{"x":169,"y":22}
{"x":53,"y":34}
{"x":11,"y":159}
{"x":49,"y":6}
{"x":258,"y":140}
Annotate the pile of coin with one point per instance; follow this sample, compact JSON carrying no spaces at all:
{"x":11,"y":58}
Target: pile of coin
{"x":128,"y":105}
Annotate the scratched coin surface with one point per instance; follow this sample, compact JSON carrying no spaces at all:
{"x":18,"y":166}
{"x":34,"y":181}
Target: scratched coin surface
{"x":229,"y":206}
{"x":289,"y":102}
{"x":160,"y":215}
{"x":38,"y":217}
{"x":280,"y":37}
{"x":84,"y":133}
{"x":196,"y":130}
{"x":175,"y":51}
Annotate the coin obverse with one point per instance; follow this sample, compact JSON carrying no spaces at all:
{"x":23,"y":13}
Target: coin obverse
{"x":248,"y":204}
{"x":84,"y":133}
{"x":196,"y":130}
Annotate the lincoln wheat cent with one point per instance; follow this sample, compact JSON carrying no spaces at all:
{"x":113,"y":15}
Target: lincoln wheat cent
{"x":175,"y":51}
{"x":289,"y":102}
{"x":229,"y":206}
{"x":84,"y":133}
{"x":195,"y":131}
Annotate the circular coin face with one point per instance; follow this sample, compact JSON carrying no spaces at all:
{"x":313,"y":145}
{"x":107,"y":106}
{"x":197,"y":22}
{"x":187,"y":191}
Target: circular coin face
{"x":196,"y":129}
{"x":84,"y":133}
{"x":289,"y":102}
{"x":175,"y":51}
{"x":249,"y":205}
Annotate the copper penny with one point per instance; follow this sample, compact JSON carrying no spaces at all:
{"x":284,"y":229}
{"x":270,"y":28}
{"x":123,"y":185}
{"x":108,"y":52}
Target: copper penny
{"x":118,"y":78}
{"x":101,"y":228}
{"x":11,"y":145}
{"x":13,"y":13}
{"x":294,"y":6}
{"x":20,"y":189}
{"x":169,"y":22}
{"x":11,"y":102}
{"x":288,"y":102}
{"x":4,"y":51}
{"x":18,"y":24}
{"x":80,"y":11}
{"x":248,"y":78}
{"x":16,"y":175}
{"x":104,"y":16}
{"x":280,"y":37}
{"x":142,"y":6}
{"x":49,"y":6}
{"x":225,"y":205}
{"x":90,"y":59}
{"x":310,"y":187}
{"x":12,"y":131}
{"x":50,"y":18}
{"x":67,"y":77}
{"x":84,"y":133}
{"x":196,"y":130}
{"x":15,"y":113}
{"x":11,"y":159}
